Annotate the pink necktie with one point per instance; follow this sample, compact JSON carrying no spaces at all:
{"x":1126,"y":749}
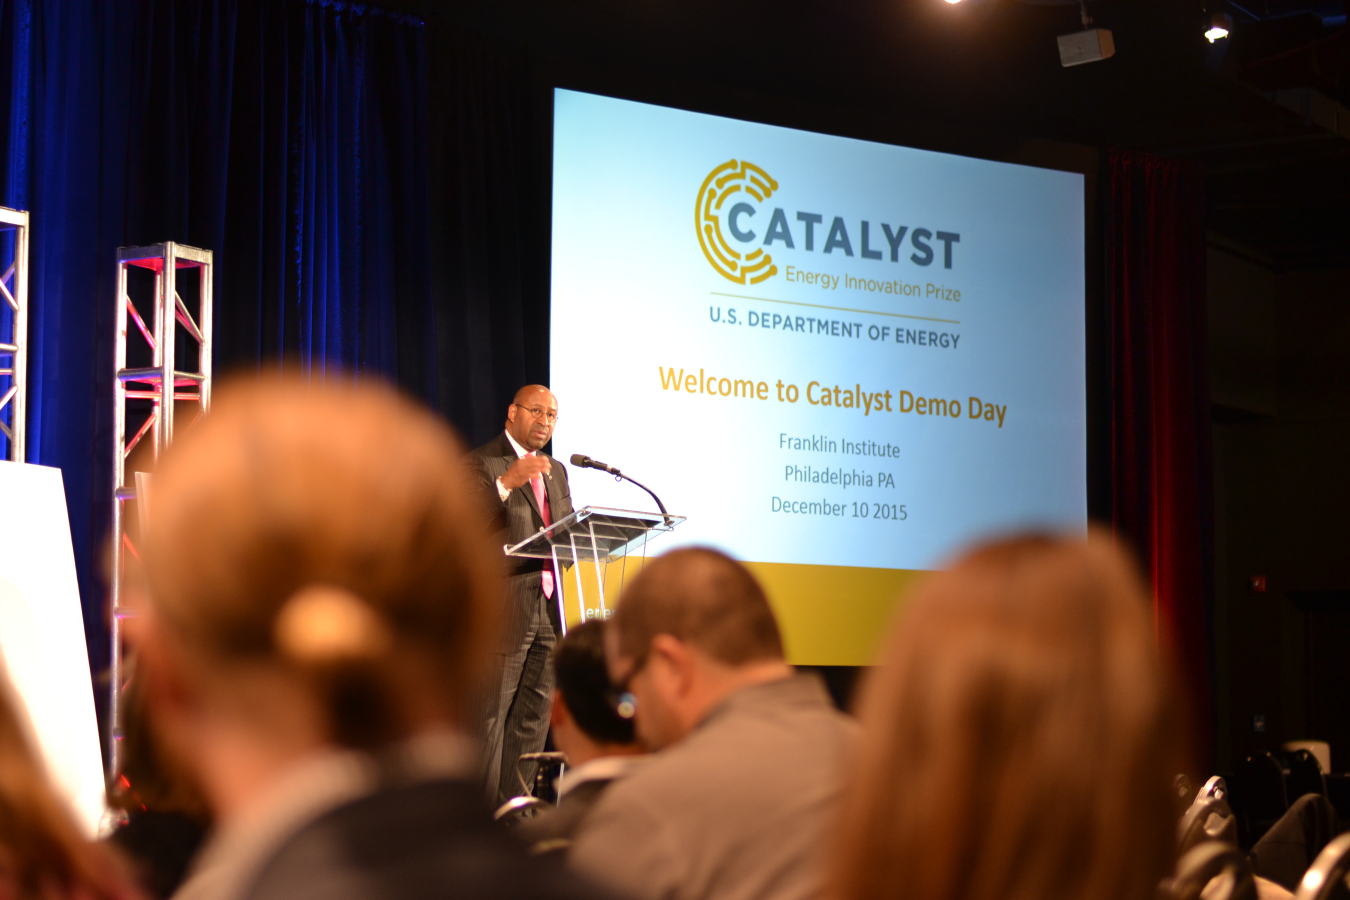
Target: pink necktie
{"x":537,"y":483}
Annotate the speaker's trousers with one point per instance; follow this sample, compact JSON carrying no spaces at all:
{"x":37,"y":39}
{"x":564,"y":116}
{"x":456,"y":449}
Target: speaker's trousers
{"x":518,"y":720}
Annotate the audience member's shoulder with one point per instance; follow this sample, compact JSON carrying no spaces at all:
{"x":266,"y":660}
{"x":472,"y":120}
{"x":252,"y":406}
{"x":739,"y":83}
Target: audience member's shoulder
{"x":827,"y":713}
{"x":799,"y":704}
{"x":427,"y":841}
{"x":636,"y":804}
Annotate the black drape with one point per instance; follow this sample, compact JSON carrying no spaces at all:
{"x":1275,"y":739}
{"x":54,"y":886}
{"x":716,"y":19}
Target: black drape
{"x":491,"y":139}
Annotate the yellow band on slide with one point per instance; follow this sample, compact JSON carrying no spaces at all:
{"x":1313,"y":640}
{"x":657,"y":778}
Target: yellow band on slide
{"x":829,"y":615}
{"x":834,"y":615}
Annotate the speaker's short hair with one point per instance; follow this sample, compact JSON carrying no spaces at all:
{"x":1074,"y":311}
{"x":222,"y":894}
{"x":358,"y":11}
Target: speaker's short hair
{"x":704,"y":598}
{"x":583,"y":682}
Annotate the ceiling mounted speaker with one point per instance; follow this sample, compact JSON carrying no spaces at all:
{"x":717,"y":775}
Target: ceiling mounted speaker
{"x":1085,"y":47}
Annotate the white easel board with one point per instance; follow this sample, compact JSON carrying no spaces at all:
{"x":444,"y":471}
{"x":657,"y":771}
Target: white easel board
{"x":42,"y":634}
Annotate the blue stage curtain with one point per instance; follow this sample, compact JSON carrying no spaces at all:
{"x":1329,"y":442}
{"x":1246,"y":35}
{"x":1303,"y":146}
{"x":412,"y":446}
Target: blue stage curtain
{"x":289,"y":137}
{"x":327,"y":238}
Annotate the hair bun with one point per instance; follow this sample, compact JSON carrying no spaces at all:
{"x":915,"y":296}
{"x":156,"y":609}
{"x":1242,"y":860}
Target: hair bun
{"x":323,"y":624}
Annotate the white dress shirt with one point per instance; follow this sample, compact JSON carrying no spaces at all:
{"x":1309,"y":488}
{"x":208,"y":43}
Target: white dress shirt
{"x":502,"y":492}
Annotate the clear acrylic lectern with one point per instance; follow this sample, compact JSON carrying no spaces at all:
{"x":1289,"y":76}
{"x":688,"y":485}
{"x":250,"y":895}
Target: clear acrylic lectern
{"x":592,"y":534}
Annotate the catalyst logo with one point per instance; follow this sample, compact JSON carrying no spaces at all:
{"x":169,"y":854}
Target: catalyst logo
{"x":725,"y":220}
{"x":720,"y":201}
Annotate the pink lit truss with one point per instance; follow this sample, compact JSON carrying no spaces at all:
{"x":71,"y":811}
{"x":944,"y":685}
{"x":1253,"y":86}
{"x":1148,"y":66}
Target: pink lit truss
{"x":163,"y":381}
{"x":14,"y":345}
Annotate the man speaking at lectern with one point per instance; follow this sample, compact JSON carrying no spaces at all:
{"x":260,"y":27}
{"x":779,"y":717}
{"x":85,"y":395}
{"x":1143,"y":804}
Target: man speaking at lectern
{"x":526,"y":490}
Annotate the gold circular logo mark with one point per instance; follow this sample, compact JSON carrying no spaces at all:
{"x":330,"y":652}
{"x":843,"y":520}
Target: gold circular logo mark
{"x":727,"y":180}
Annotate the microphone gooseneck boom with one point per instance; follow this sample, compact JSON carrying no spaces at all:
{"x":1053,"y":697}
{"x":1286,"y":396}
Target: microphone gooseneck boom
{"x":582,"y":461}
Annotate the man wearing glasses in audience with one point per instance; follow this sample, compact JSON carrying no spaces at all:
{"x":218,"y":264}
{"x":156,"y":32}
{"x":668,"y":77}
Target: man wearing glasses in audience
{"x":737,"y":799}
{"x":526,"y":490}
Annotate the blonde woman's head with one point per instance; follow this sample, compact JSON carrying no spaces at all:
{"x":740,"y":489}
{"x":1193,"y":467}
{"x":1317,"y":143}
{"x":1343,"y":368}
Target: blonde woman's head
{"x":1020,"y":736}
{"x":317,"y":571}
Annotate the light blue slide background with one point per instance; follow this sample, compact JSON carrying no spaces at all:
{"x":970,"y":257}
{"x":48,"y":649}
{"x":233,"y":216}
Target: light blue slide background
{"x":632,"y":292}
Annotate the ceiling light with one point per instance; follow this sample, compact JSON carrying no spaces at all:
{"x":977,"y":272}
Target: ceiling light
{"x":953,"y":2}
{"x":1219,"y":25}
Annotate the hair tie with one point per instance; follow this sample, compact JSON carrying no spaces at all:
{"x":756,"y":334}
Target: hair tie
{"x":325,"y":624}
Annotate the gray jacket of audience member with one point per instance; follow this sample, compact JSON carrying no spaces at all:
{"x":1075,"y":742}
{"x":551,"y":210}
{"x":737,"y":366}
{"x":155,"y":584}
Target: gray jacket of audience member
{"x":738,"y":810}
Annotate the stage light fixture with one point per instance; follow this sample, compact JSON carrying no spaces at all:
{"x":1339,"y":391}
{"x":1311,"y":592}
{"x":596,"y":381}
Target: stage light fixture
{"x":1219,"y":26}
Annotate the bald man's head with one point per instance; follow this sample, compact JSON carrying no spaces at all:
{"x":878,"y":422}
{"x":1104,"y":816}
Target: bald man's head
{"x":531,"y":416}
{"x":528,"y":393}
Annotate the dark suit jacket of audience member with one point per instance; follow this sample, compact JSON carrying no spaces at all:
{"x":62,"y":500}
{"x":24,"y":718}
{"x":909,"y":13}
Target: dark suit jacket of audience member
{"x":428,"y":840}
{"x":553,"y":831}
{"x":161,"y":846}
{"x":514,"y":521}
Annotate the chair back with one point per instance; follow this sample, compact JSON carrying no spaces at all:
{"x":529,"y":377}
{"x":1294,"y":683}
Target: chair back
{"x":550,"y":765}
{"x":1305,"y":774}
{"x":518,"y":809}
{"x":1207,"y":819}
{"x":1326,"y":878}
{"x":1212,"y":861}
{"x":1319,"y":749}
{"x":1259,"y":795}
{"x":1183,"y":792}
{"x":1215,"y":787}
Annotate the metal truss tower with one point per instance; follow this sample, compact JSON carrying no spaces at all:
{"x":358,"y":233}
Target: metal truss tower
{"x":14,"y":346}
{"x":179,"y":372}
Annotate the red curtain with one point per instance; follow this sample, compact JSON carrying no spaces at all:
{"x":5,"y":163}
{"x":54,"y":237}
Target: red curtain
{"x":1154,"y":266}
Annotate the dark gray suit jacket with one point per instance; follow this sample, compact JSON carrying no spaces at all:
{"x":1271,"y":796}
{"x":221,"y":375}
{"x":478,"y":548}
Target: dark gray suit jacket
{"x":514,"y":521}
{"x":554,"y":829}
{"x":427,"y":841}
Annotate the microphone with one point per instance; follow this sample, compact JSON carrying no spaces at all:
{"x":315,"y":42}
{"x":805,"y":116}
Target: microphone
{"x":582,"y":461}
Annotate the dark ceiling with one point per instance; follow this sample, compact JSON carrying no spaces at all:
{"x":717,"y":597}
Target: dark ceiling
{"x":1264,"y":111}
